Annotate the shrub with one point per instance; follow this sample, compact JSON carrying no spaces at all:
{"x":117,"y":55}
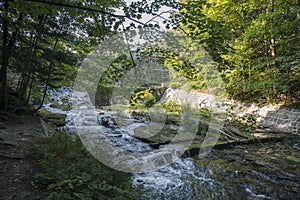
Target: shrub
{"x":70,"y":172}
{"x":142,"y":99}
{"x":172,"y":106}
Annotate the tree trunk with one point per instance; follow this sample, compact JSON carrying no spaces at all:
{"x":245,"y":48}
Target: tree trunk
{"x":25,"y":85}
{"x":7,"y":46}
{"x":5,"y":57}
{"x":48,"y":78}
{"x":44,"y":96}
{"x":272,"y":45}
{"x":29,"y":92}
{"x":34,"y":50}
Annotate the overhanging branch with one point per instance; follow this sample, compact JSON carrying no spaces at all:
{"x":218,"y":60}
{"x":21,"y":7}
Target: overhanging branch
{"x":86,"y":9}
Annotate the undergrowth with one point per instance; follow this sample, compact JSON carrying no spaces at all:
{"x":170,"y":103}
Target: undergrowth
{"x":70,"y":172}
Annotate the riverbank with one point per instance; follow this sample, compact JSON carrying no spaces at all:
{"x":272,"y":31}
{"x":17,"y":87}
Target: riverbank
{"x":274,"y":163}
{"x":18,"y":165}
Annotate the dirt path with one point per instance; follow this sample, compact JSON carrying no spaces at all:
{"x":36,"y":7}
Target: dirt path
{"x":18,"y":134}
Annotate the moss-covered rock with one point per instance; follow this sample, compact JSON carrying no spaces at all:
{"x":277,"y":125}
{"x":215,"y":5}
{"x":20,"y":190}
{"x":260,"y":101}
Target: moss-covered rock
{"x":53,"y":118}
{"x":165,"y":135}
{"x":173,"y":118}
{"x":64,"y":106}
{"x":140,"y":112}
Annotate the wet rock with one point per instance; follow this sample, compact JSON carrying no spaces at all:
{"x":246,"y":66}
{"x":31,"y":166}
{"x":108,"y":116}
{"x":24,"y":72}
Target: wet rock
{"x":248,"y":158}
{"x":154,"y":145}
{"x":173,"y":118}
{"x":103,"y":120}
{"x":57,"y":119}
{"x":3,"y":118}
{"x":296,"y":146}
{"x":107,"y":121}
{"x":2,"y":126}
{"x":139,"y":119}
{"x":7,"y":143}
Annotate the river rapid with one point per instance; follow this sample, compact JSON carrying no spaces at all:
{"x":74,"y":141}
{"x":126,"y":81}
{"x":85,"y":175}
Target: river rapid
{"x":256,"y":171}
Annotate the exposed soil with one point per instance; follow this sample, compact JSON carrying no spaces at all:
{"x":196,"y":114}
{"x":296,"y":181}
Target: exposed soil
{"x":18,"y":135}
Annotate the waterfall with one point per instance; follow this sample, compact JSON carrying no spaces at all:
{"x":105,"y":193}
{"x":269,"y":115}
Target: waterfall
{"x":182,"y":178}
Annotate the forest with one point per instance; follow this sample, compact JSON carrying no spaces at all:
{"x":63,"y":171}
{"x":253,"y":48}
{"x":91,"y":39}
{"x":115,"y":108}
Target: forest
{"x":254,"y":45}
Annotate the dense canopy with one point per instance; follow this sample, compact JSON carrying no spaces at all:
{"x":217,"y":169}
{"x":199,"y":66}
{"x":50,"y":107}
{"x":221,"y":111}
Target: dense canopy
{"x":254,"y":43}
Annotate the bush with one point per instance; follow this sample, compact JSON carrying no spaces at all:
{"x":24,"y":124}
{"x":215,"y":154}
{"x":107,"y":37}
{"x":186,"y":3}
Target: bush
{"x":142,"y":99}
{"x":70,"y":172}
{"x":172,"y":106}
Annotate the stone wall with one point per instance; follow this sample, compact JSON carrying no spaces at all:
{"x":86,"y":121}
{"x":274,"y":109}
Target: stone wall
{"x":272,"y":117}
{"x":194,"y":99}
{"x":283,"y":119}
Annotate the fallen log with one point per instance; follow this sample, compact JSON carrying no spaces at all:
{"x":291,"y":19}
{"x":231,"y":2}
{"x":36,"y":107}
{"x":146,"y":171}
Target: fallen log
{"x":230,"y":144}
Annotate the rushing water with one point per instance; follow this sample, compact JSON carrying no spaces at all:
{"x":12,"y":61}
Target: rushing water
{"x":258,"y":171}
{"x":175,"y":181}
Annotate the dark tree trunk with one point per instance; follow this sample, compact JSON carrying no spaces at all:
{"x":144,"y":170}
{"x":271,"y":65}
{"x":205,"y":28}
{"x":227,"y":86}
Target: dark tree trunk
{"x":43,"y":99}
{"x":25,"y":86}
{"x":34,"y":50}
{"x":29,"y":93}
{"x":5,"y":57}
{"x":7,"y":47}
{"x":49,"y":76}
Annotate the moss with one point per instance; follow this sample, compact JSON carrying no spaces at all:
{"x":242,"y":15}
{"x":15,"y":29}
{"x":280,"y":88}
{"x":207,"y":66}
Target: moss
{"x":57,"y":122}
{"x":173,"y":118}
{"x":293,"y":158}
{"x":54,"y":118}
{"x":64,"y":106}
{"x":201,"y":162}
{"x":198,"y":144}
{"x":164,"y":135}
{"x":139,"y":112}
{"x":206,"y":162}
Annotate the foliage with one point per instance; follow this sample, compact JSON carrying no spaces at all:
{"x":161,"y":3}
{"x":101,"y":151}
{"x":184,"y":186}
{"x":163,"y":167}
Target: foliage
{"x":142,"y":99}
{"x":44,"y":42}
{"x":182,"y":72}
{"x":205,"y":113}
{"x":70,"y":172}
{"x":172,"y":106}
{"x":255,"y":43}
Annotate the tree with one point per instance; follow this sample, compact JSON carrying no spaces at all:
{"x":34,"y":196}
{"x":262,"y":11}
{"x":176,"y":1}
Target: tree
{"x":42,"y":40}
{"x":255,"y":43}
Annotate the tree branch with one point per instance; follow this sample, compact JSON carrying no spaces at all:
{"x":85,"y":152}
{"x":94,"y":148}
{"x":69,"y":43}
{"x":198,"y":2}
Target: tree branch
{"x":86,"y":9}
{"x":159,"y":16}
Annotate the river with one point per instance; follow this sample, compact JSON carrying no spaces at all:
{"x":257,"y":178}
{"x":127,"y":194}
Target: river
{"x":256,"y":171}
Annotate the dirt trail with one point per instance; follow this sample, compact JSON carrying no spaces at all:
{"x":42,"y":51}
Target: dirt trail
{"x":18,"y":134}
